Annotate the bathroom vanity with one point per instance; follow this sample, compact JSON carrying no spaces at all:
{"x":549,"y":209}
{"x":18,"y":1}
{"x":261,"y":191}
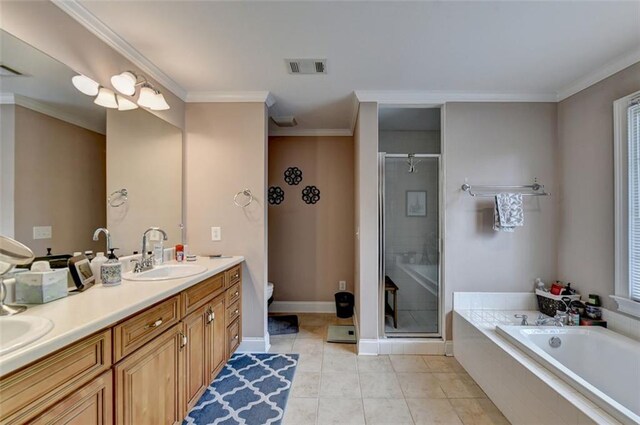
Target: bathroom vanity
{"x":140,"y":353}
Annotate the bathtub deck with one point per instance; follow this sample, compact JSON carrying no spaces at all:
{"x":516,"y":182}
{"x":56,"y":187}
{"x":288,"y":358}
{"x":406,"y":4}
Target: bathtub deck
{"x":520,"y":387}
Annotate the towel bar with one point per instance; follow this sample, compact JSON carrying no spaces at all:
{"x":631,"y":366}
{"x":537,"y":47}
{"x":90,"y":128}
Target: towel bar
{"x":536,"y":188}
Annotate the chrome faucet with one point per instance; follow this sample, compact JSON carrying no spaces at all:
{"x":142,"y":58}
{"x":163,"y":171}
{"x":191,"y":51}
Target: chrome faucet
{"x":146,"y":261}
{"x":107,"y":235}
{"x":524,"y":318}
{"x":542,"y":320}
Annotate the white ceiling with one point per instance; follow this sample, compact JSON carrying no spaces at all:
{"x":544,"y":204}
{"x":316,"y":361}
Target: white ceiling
{"x":522,"y":49}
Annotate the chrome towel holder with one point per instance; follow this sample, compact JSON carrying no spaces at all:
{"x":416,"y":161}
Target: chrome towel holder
{"x":247,"y":194}
{"x":535,"y":189}
{"x":119,"y":195}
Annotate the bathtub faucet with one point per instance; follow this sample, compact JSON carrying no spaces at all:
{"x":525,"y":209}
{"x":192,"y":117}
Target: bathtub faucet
{"x":542,"y":320}
{"x":524,"y":318}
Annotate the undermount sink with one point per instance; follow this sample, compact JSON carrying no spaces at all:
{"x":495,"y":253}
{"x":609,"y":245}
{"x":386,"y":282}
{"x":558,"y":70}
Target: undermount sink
{"x":165,"y":272}
{"x":18,"y":331}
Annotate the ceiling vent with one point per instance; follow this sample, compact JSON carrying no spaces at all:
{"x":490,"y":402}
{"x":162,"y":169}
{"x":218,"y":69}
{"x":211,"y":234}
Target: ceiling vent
{"x":306,"y":66}
{"x":6,"y":71}
{"x":288,"y":121}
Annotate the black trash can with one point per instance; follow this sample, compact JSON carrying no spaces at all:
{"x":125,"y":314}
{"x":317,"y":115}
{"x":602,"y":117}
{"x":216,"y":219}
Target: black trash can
{"x":344,"y":304}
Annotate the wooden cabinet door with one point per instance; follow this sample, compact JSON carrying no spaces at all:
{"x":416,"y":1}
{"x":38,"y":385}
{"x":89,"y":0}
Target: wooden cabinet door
{"x":149,"y":384}
{"x":196,"y":327}
{"x":216,"y":338}
{"x":90,"y":405}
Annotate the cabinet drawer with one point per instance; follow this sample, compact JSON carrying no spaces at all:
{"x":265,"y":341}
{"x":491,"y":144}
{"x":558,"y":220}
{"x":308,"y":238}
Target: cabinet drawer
{"x":136,"y":331}
{"x":198,"y":295}
{"x":233,"y":294}
{"x":29,"y":392}
{"x":234,"y":275}
{"x":91,"y":404}
{"x":233,"y":312}
{"x":233,"y":337}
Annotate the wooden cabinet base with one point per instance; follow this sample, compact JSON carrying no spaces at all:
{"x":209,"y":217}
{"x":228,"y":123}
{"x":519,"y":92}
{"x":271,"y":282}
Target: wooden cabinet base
{"x":90,"y":405}
{"x":149,"y":383}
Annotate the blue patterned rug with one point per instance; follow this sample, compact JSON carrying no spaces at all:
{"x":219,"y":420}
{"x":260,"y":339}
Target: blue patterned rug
{"x":251,"y":389}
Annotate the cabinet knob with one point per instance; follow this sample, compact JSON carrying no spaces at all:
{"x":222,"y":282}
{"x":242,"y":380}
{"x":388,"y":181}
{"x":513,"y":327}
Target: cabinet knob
{"x":154,"y":324}
{"x":237,"y":293}
{"x":237,"y":311}
{"x":235,"y":337}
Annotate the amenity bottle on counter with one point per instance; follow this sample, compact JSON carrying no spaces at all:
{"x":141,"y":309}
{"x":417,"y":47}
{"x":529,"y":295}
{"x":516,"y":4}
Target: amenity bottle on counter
{"x":111,"y":271}
{"x":98,"y":260}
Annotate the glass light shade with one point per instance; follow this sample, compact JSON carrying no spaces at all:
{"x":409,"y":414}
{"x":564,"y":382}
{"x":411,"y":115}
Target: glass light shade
{"x":85,"y":85}
{"x":160,"y":104}
{"x":125,"y":83}
{"x":146,"y":98}
{"x":106,"y":97}
{"x":125,"y":104}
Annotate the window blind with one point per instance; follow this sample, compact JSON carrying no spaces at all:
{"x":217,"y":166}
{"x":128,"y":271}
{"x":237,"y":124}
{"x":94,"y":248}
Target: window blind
{"x":633,"y":116}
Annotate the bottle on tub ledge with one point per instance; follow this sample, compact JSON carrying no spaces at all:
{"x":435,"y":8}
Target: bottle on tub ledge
{"x":593,"y":312}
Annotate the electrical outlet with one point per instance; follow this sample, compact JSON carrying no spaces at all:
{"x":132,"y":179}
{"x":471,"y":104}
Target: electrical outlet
{"x":42,"y":232}
{"x":342,"y":285}
{"x":216,"y":233}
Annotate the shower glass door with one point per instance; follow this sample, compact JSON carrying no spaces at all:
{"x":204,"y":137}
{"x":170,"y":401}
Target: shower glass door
{"x":410,"y":244}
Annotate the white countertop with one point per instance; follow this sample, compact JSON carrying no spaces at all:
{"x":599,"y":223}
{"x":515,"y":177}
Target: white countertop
{"x":99,"y":307}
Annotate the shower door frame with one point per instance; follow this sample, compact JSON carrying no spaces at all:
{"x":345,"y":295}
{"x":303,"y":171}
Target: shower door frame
{"x":382,"y":156}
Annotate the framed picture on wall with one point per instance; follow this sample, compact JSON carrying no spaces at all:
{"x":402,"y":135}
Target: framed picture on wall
{"x":416,"y":203}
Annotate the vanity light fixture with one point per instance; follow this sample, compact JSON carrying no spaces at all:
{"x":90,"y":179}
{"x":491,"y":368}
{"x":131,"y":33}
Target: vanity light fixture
{"x":107,"y":98}
{"x":125,"y":104}
{"x":85,"y":85}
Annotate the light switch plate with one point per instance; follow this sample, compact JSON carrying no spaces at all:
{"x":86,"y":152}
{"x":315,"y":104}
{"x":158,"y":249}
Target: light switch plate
{"x":216,"y":233}
{"x":342,"y":285}
{"x":42,"y":232}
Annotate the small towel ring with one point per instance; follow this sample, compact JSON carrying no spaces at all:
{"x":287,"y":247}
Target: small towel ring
{"x":248,"y":194}
{"x":120,"y":195}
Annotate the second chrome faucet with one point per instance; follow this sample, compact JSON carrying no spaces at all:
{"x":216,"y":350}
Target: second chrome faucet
{"x":146,"y":260}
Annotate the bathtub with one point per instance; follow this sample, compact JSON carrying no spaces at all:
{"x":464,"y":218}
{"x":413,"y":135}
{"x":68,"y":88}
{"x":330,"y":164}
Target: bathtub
{"x":602,"y":365}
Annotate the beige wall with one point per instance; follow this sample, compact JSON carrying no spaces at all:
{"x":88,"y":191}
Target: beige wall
{"x":498,"y":143}
{"x":311,"y":246}
{"x":7,"y":169}
{"x":47,"y":28}
{"x":59,"y":182}
{"x":366,"y":222}
{"x":586,"y":228}
{"x":144,"y":155}
{"x":226,"y":151}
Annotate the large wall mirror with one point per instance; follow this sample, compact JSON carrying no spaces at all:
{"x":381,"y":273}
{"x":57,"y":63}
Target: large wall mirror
{"x":62,"y":157}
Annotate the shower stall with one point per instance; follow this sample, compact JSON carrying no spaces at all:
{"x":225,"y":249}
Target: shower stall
{"x":409,"y":233}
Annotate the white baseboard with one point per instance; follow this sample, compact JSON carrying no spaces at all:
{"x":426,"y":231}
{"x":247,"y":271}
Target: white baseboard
{"x":448,"y":348}
{"x":412,"y":346}
{"x":302,"y":307}
{"x":253,"y":345}
{"x":368,"y":347}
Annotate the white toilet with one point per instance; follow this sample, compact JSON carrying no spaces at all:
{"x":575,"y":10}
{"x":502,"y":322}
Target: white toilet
{"x":269,"y":293}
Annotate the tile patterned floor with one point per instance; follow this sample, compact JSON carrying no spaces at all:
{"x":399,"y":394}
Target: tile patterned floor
{"x":333,"y":385}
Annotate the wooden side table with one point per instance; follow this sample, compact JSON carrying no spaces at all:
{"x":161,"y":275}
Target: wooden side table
{"x":391,"y":287}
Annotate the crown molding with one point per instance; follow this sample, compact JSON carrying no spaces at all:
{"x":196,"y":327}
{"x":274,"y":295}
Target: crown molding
{"x":354,"y":112}
{"x":87,"y":19}
{"x":230,"y":97}
{"x":311,"y":132}
{"x":7,"y":99}
{"x":600,"y":74}
{"x":46,"y":109}
{"x":438,"y":98}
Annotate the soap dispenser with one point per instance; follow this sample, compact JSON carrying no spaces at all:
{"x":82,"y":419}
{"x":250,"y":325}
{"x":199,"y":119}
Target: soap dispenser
{"x":111,"y":270}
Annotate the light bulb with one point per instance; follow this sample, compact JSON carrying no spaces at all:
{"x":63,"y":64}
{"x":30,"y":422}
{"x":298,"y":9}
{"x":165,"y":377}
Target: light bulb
{"x":125,"y":83}
{"x":125,"y":104}
{"x":106,"y":97}
{"x":85,"y":85}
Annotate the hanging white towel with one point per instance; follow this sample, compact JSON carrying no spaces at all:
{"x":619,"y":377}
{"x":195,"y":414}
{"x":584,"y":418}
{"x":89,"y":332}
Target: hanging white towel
{"x":508,"y":212}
